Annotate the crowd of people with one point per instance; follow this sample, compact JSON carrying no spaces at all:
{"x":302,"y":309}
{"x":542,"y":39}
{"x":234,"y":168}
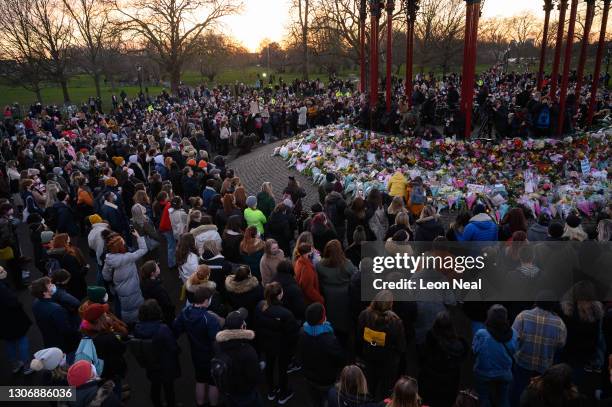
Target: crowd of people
{"x":269,"y":288}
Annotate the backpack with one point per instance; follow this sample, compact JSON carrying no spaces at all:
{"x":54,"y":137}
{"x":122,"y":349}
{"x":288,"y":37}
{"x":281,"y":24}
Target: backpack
{"x":543,"y":121}
{"x":220,"y":366}
{"x":51,"y":265}
{"x":87,"y":351}
{"x":145,"y":353}
{"x":417,"y":196}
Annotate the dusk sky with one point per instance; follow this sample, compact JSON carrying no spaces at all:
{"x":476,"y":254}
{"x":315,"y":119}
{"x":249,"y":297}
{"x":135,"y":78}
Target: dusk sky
{"x":263,"y":19}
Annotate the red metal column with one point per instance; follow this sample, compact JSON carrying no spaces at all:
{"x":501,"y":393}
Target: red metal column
{"x":362,"y":65}
{"x":411,"y":10}
{"x":600,"y":49}
{"x":469,"y":88}
{"x":548,"y":6}
{"x":375,"y":8}
{"x":554,"y":77}
{"x":588,"y":23}
{"x":389,"y":53}
{"x":466,"y":56}
{"x":567,"y":62}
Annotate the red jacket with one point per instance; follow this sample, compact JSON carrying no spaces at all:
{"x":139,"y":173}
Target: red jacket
{"x":164,"y":223}
{"x":308,"y":280}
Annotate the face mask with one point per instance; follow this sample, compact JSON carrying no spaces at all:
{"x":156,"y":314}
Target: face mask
{"x":105,"y":299}
{"x":53,"y":289}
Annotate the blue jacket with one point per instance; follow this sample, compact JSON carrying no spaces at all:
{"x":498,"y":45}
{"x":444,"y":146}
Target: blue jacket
{"x":493,"y":360}
{"x":481,"y":228}
{"x":207,"y":196}
{"x":201,"y":327}
{"x":116,"y":219}
{"x":54,"y":324}
{"x":65,"y":219}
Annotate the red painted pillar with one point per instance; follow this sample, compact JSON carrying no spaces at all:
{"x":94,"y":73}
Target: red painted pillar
{"x":375,"y":9}
{"x":548,"y":6}
{"x":362,"y":65}
{"x":588,"y":23}
{"x":471,"y":64}
{"x":411,"y":10}
{"x":466,"y":56}
{"x":567,"y":63}
{"x":554,"y":77}
{"x":389,"y":53}
{"x":600,"y":49}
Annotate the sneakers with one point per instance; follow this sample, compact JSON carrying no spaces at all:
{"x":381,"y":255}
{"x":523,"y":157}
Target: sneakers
{"x":283,"y":398}
{"x":293,"y":367}
{"x":273,"y":394}
{"x":17,"y":366}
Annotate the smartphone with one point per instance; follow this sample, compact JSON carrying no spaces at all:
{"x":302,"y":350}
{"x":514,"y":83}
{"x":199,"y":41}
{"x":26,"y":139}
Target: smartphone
{"x":132,"y":230}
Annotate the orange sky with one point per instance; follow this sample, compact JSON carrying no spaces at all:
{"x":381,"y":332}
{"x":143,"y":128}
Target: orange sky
{"x":268,"y":19}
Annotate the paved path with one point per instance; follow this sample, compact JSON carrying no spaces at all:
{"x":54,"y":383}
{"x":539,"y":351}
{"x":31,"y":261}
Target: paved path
{"x":259,"y":166}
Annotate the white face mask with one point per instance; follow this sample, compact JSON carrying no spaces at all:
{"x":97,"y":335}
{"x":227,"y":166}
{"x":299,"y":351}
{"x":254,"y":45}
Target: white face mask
{"x":105,"y":298}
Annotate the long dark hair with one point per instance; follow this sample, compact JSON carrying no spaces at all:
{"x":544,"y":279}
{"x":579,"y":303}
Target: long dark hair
{"x":271,"y":293}
{"x":185,"y":246}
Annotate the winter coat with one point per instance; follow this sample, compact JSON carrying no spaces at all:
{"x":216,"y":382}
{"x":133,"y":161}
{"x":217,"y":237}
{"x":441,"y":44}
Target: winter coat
{"x":219,"y":269}
{"x":95,"y":240}
{"x":53,"y":321}
{"x":335,"y":206}
{"x":281,"y":227}
{"x":268,"y":265}
{"x":121,"y":270}
{"x":178,"y":220}
{"x":189,"y":267}
{"x":201,"y":328}
{"x":441,"y":361}
{"x":97,"y":393}
{"x":115,"y":218}
{"x":320,"y":354}
{"x":252,"y":260}
{"x":13,"y":319}
{"x":321,"y":236}
{"x":265,"y":203}
{"x":166,"y":348}
{"x":221,"y":217}
{"x":190,"y":186}
{"x":293,"y":299}
{"x":255,"y":217}
{"x":397,"y":184}
{"x":427,"y":229}
{"x":111,"y":349}
{"x":334,"y":284}
{"x":537,"y":233}
{"x":352,"y":221}
{"x":378,"y":223}
{"x":394,"y":342}
{"x":246,"y":293}
{"x":153,"y":289}
{"x":207,"y":196}
{"x":230,"y":246}
{"x":77,"y":286}
{"x":216,"y":303}
{"x":308,"y":280}
{"x":481,"y":228}
{"x":244,"y":371}
{"x":277,"y":329}
{"x":65,"y":219}
{"x":204,"y":233}
{"x":493,"y":358}
{"x":337,"y":399}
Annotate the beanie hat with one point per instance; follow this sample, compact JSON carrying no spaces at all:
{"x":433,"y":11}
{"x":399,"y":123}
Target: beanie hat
{"x":118,"y":160}
{"x":315,"y":314}
{"x":94,"y":311}
{"x":47,"y":359}
{"x":111,"y":182}
{"x":251,"y":201}
{"x":80,"y":373}
{"x":191,"y":162}
{"x":202,"y":164}
{"x":96,"y":294}
{"x":46,"y":236}
{"x":95,"y":218}
{"x":573,"y":221}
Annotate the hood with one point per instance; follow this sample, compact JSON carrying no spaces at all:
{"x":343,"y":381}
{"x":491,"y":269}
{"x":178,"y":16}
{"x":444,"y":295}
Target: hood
{"x":240,"y":287}
{"x":235,"y":335}
{"x":189,"y":286}
{"x":316,"y":330}
{"x":113,"y":259}
{"x":99,"y":227}
{"x":146,"y":330}
{"x":202,"y":229}
{"x":429,"y":222}
{"x":333,"y":197}
{"x":194,"y":315}
{"x":482,"y":221}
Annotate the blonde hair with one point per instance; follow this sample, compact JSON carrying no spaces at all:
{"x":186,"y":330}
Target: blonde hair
{"x":576,"y":233}
{"x":304,"y":237}
{"x":267,"y":188}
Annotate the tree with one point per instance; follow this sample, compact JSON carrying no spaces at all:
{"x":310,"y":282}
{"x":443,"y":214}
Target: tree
{"x":53,"y":37}
{"x":91,"y":18}
{"x":303,"y":13}
{"x":171,"y":27}
{"x":523,"y":31}
{"x":18,"y":46}
{"x":213,"y":53}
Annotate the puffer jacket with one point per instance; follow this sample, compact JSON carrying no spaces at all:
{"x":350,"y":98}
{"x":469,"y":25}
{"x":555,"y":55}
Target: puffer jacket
{"x":204,"y":233}
{"x":120,"y":268}
{"x":277,"y":329}
{"x":246,"y":293}
{"x":397,"y":184}
{"x":178,"y":220}
{"x":95,"y":240}
{"x":427,"y":229}
{"x":481,"y":228}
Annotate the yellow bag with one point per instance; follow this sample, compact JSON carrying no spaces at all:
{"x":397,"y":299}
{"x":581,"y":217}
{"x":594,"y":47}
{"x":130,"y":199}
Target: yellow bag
{"x":6,"y":253}
{"x":374,"y":338}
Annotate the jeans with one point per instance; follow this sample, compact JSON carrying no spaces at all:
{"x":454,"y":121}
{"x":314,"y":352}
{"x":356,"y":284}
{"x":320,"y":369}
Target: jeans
{"x":18,"y":348}
{"x":522,"y":377}
{"x":155,"y":393}
{"x":171,"y":244}
{"x":492,"y":392}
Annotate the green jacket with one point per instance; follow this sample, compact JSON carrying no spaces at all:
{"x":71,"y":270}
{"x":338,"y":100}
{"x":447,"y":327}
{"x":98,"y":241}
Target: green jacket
{"x":255,"y":217}
{"x":265,"y":203}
